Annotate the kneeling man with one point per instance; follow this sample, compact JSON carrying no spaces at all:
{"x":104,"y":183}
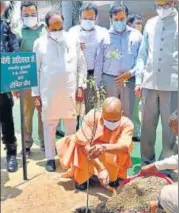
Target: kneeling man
{"x":101,"y":147}
{"x":168,"y":199}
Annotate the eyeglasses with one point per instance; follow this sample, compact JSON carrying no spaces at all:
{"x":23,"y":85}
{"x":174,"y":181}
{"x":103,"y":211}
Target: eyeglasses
{"x":26,"y":15}
{"x":165,"y":6}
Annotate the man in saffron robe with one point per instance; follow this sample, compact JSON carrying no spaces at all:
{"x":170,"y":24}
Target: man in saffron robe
{"x":101,"y":147}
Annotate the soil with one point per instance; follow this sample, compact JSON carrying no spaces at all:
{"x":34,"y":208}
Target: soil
{"x":132,"y":198}
{"x":43,"y":192}
{"x":48,"y":194}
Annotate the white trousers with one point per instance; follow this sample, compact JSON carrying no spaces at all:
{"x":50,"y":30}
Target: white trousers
{"x":169,"y":198}
{"x":49,"y":127}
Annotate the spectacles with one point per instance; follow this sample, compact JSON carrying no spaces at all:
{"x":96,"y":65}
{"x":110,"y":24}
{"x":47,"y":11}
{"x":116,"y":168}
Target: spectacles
{"x":33,"y":15}
{"x":165,"y":6}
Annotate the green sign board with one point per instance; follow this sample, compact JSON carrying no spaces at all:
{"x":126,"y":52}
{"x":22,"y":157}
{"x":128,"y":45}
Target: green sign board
{"x":18,"y":71}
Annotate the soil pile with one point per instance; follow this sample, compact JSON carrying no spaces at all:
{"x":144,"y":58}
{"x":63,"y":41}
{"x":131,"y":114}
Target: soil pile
{"x":132,"y":198}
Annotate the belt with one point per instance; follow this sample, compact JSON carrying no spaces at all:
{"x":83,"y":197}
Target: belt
{"x":110,"y":75}
{"x":90,"y":72}
{"x":114,"y":76}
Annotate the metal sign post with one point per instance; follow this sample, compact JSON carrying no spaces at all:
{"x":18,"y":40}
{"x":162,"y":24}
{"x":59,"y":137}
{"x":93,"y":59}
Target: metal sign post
{"x":24,"y":162}
{"x":19,"y":72}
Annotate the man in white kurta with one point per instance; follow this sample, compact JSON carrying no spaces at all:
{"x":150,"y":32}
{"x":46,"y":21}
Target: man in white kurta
{"x":168,"y":199}
{"x":62,"y":73}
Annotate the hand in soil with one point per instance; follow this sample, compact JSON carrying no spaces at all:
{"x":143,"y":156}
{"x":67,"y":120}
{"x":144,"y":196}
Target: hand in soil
{"x":153,"y":206}
{"x":148,"y":170}
{"x":103,"y":177}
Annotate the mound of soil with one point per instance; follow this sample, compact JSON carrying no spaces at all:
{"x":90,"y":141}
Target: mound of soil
{"x":132,"y":198}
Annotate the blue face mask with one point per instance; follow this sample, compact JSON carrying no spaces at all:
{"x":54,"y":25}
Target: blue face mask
{"x":119,"y":26}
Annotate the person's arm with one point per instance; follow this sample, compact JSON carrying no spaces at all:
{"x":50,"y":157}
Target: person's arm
{"x":82,"y":68}
{"x":13,"y":40}
{"x":134,"y":69}
{"x":128,"y":74}
{"x":142,"y":57}
{"x":36,"y":90}
{"x":99,"y":62}
{"x":19,"y":37}
{"x":168,"y":163}
{"x":98,"y":165}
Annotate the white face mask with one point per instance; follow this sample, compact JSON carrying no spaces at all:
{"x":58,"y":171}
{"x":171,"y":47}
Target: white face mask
{"x":87,"y":24}
{"x":30,"y":21}
{"x":57,"y":36}
{"x":163,"y":13}
{"x":112,"y":125}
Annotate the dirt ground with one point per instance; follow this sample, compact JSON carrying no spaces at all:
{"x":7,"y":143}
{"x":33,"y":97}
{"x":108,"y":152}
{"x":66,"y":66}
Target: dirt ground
{"x":43,"y":192}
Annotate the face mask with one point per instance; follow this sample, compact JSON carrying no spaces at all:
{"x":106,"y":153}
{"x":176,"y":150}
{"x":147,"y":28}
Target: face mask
{"x":112,"y":125}
{"x":30,"y":21}
{"x":139,"y":27}
{"x":119,"y":26}
{"x":163,"y":13}
{"x":57,"y":36}
{"x":87,"y":24}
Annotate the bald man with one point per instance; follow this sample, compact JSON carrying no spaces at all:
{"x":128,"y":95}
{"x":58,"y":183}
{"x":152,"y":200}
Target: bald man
{"x":101,"y":147}
{"x":62,"y":73}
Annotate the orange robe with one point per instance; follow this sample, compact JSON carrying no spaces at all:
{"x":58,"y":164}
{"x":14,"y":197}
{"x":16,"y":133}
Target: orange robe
{"x":71,"y":154}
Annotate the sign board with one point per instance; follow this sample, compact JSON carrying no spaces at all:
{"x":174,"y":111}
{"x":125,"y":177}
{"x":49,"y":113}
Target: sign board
{"x":18,"y":71}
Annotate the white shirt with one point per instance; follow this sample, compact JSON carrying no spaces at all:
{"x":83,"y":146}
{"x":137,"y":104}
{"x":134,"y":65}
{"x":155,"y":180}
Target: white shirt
{"x":168,"y":163}
{"x":61,"y":70}
{"x":91,"y":40}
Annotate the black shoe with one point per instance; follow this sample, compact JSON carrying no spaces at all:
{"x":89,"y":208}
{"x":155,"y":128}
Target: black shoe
{"x":42,"y":148}
{"x":136,"y":139}
{"x":60,"y":133}
{"x":81,"y":187}
{"x":12,"y":165}
{"x":50,"y":166}
{"x":28,"y":152}
{"x":115,"y":184}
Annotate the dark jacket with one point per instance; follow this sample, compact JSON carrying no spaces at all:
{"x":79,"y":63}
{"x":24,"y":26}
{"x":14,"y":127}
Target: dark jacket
{"x":9,"y":41}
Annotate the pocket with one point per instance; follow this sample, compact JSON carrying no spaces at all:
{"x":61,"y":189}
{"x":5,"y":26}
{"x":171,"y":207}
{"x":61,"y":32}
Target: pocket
{"x":175,"y":42}
{"x":133,"y":48}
